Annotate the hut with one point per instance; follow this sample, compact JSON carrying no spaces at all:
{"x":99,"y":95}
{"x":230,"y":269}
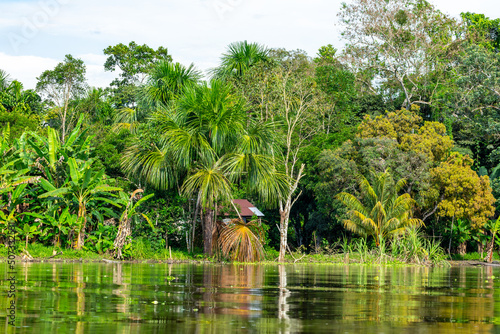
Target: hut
{"x":247,"y":209}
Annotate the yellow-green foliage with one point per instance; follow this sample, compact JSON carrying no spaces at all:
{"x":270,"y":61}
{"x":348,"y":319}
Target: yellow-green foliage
{"x":431,"y":140}
{"x":462,"y":192}
{"x":404,"y":126}
{"x":394,"y":125}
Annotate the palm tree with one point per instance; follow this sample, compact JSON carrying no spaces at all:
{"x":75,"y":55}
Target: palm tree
{"x":4,"y":80}
{"x":168,"y":81}
{"x":165,"y":83}
{"x":210,"y":185}
{"x":381,"y":213}
{"x":240,"y":56}
{"x":95,"y":106}
{"x":207,"y":142}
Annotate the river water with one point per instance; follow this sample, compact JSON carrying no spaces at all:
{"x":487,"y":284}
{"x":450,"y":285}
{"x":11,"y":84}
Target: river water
{"x":211,"y":298}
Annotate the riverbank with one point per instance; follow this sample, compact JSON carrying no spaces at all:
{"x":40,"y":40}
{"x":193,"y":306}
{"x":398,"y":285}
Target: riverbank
{"x":452,"y":263}
{"x":39,"y":253}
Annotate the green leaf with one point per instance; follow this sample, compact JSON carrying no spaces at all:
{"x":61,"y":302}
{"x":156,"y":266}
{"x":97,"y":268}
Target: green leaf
{"x":47,"y":185}
{"x":86,"y":178}
{"x":109,"y":201}
{"x":36,"y":148}
{"x":149,"y":222}
{"x":53,"y":146}
{"x":104,"y":188}
{"x":74,"y":133}
{"x":18,"y":191}
{"x":55,"y":193}
{"x":73,"y":170}
{"x":142,"y":200}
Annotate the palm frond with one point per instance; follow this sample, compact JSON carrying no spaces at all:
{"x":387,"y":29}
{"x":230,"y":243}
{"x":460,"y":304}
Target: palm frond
{"x":240,"y":241}
{"x":210,"y":184}
{"x":239,"y":57}
{"x":151,"y":164}
{"x":381,"y":212}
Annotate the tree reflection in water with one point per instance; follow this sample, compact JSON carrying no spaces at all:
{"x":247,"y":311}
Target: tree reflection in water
{"x":216,"y":298}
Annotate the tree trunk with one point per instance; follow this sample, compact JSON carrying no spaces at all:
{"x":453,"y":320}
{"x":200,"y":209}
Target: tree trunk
{"x":451,"y":234}
{"x":121,"y":237}
{"x":489,"y":249}
{"x":196,"y":211}
{"x":57,"y":239}
{"x":462,"y":248}
{"x":208,"y":231}
{"x":285,"y":209}
{"x":80,"y":239}
{"x":284,"y":216}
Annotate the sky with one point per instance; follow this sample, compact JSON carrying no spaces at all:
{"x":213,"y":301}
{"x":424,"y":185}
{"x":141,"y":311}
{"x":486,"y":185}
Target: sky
{"x":35,"y":35}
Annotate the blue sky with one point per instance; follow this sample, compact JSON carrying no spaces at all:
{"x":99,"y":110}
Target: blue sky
{"x":35,"y":35}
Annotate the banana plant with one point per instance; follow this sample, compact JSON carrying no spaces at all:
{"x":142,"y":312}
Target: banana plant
{"x":102,"y":238}
{"x":9,"y":204}
{"x":50,"y":153}
{"x":85,"y":186}
{"x":494,"y":228}
{"x":130,"y":211}
{"x":56,"y":224}
{"x":28,"y":231}
{"x":12,"y":170}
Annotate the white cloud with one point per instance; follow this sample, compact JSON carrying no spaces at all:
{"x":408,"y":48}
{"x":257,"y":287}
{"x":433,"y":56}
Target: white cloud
{"x":25,"y":68}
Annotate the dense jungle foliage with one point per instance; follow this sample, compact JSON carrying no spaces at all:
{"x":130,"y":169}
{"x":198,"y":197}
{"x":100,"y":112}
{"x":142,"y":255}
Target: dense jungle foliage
{"x":397,"y":132}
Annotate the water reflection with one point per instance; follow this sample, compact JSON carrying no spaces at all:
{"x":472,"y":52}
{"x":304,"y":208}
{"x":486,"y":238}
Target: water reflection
{"x":210,"y":298}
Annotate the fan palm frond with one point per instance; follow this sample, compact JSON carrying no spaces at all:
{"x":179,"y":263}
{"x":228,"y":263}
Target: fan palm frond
{"x":240,"y":241}
{"x":239,"y":57}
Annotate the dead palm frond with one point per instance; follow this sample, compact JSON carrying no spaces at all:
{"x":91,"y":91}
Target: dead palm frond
{"x":240,"y":241}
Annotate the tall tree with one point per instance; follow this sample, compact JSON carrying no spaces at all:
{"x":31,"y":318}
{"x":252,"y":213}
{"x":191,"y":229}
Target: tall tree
{"x":397,"y":43}
{"x":134,"y":61}
{"x":284,"y":91}
{"x":460,"y":193}
{"x":167,"y":81}
{"x":482,"y":30}
{"x":65,"y":82}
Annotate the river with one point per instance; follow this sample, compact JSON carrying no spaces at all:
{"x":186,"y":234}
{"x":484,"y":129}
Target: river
{"x":212,"y":298}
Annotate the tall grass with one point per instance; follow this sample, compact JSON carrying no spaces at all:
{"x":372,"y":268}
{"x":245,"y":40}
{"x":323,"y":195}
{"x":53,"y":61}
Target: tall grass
{"x":414,"y":247}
